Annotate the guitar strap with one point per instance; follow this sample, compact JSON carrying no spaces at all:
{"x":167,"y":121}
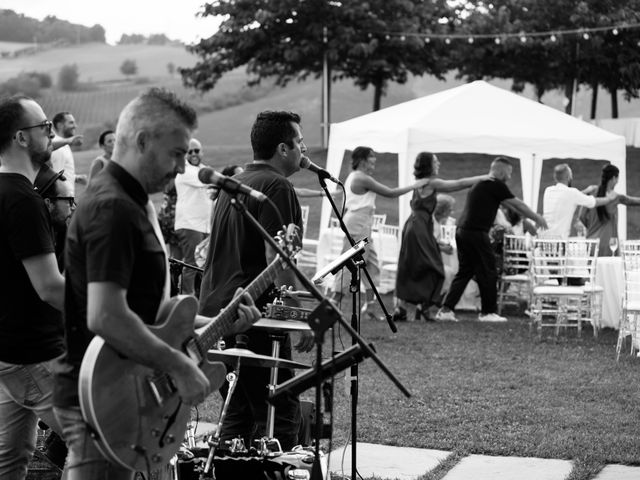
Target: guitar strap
{"x":153,"y":218}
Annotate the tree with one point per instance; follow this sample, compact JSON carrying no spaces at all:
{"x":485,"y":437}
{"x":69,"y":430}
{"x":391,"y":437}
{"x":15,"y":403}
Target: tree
{"x":288,"y":39}
{"x":68,"y":78}
{"x":129,"y":67}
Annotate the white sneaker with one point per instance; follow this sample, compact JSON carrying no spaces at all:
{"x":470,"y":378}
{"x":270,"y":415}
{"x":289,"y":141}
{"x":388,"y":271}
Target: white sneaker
{"x":448,"y":316}
{"x":491,"y":317}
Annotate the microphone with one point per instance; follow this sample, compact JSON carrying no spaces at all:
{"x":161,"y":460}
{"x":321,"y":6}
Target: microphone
{"x":230,"y":185}
{"x":321,"y":172}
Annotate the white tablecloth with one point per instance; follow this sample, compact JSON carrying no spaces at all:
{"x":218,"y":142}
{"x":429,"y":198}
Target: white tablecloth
{"x":610,"y":276}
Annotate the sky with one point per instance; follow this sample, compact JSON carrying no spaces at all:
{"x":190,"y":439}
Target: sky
{"x":175,"y":18}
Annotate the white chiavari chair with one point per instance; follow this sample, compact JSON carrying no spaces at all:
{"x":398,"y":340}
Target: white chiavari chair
{"x":515,"y":281}
{"x":554,"y":304}
{"x":582,"y":261}
{"x":378,"y":221}
{"x":631,"y":299}
{"x":306,"y":257}
{"x":387,"y":243}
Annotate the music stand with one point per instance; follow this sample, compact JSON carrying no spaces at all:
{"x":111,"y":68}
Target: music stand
{"x":340,"y":262}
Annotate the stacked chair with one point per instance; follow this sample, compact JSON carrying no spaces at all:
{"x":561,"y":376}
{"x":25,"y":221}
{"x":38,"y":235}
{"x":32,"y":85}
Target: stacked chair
{"x":307,"y":257}
{"x":515,"y":281}
{"x":631,"y":298}
{"x":558,"y":268}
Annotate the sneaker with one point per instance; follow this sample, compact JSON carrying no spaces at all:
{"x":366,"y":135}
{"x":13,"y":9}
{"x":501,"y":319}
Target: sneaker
{"x":491,"y":317}
{"x":447,"y":316}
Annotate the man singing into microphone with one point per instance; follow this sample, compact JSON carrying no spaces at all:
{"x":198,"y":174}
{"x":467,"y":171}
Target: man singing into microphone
{"x":237,"y":255}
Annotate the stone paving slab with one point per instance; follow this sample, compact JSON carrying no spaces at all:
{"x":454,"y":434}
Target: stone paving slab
{"x":483,"y":467}
{"x":618,"y":472}
{"x":386,"y":462}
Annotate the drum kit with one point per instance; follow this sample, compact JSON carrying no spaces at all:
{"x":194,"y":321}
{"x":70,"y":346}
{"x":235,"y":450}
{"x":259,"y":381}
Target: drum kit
{"x":207,"y":457}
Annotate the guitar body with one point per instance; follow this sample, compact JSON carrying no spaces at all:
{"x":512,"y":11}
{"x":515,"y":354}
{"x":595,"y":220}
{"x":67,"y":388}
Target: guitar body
{"x":138,"y":419}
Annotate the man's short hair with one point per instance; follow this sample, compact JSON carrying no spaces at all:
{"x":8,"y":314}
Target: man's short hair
{"x":155,"y":110}
{"x":270,"y":129}
{"x":501,"y":160}
{"x":59,"y":118}
{"x":12,"y":114}
{"x":561,"y":172}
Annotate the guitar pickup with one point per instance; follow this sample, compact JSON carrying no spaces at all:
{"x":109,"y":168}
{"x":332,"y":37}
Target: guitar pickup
{"x":161,"y":387}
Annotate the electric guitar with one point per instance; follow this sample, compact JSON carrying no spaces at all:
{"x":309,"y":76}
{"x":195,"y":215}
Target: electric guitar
{"x":137,"y":419}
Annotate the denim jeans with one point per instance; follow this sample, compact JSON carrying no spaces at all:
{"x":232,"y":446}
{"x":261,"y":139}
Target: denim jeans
{"x":84,"y":460}
{"x":25,"y":395}
{"x":189,"y":240}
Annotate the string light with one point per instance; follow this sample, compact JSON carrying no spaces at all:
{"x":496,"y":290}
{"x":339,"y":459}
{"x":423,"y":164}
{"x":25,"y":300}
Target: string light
{"x":585,"y":33}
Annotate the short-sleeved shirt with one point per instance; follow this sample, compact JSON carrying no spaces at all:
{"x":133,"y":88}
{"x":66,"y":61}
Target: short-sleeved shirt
{"x":559,"y":204}
{"x":110,"y":239}
{"x":482,"y":204}
{"x":30,"y":329}
{"x":236,"y":249}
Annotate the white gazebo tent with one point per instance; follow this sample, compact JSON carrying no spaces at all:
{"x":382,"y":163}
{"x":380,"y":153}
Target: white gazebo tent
{"x":476,"y":118}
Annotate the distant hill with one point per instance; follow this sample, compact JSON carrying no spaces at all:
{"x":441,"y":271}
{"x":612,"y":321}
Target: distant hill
{"x":16,"y":27}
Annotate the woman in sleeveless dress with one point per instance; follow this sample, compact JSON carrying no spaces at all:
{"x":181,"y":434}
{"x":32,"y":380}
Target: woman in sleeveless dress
{"x":361,"y":190}
{"x":420,"y":274}
{"x":602,"y":222}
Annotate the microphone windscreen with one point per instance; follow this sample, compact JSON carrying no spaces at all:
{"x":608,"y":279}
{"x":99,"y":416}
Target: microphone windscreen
{"x":205,"y":174}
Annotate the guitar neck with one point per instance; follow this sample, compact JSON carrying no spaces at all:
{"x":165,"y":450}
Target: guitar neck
{"x":222,"y":323}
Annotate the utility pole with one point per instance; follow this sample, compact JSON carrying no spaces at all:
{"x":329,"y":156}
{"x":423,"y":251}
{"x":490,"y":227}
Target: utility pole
{"x":326,"y":90}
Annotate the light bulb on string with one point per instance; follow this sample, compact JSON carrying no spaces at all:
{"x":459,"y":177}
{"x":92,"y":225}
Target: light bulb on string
{"x":447,"y":40}
{"x":470,"y":40}
{"x":553,"y":38}
{"x":427,"y":40}
{"x":585,"y":35}
{"x":615,"y":31}
{"x":387,"y":37}
{"x":497,"y":41}
{"x":403,"y":38}
{"x":523,"y":39}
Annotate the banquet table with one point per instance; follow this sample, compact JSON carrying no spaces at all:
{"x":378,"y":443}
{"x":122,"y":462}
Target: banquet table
{"x":610,"y":276}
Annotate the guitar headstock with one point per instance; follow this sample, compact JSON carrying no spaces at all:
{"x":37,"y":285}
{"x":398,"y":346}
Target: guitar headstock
{"x":289,"y":239}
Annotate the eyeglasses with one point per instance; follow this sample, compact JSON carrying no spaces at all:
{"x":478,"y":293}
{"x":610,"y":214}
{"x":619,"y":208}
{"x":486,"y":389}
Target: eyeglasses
{"x":47,"y":124}
{"x":194,"y":150}
{"x":71,"y":200}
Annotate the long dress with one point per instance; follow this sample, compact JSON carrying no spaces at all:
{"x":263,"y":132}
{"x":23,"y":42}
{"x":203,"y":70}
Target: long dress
{"x":420,"y":269}
{"x":602,"y":230}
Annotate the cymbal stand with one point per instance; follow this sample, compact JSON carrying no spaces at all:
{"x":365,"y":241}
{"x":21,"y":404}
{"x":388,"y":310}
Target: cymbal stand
{"x":276,"y":338}
{"x":214,"y":440}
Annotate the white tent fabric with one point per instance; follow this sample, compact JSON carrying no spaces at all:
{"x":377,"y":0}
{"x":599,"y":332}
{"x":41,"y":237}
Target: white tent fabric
{"x":476,"y":118}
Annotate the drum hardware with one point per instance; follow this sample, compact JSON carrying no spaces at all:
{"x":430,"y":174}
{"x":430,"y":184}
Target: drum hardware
{"x":250,"y":359}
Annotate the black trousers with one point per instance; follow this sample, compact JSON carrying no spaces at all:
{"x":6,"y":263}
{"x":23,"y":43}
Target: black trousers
{"x":476,"y":259}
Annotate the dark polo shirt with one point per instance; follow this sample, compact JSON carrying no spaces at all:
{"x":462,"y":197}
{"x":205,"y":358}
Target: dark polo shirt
{"x":236,"y":249}
{"x":482,"y":204}
{"x":110,"y":239}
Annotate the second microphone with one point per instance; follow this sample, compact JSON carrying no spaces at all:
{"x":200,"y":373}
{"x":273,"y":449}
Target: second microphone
{"x":230,"y":185}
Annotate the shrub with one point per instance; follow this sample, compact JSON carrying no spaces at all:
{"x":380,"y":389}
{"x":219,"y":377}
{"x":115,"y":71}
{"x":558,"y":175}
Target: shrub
{"x":43,"y":78}
{"x":68,"y":78}
{"x":129,"y":67}
{"x":23,"y":83}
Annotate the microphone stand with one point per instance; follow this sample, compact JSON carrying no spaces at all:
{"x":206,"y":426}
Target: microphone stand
{"x":321,"y":318}
{"x":355,"y":267}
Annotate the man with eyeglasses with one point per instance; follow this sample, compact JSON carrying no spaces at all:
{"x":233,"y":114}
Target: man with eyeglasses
{"x":31,"y":287}
{"x":54,"y":190}
{"x":193,"y":212}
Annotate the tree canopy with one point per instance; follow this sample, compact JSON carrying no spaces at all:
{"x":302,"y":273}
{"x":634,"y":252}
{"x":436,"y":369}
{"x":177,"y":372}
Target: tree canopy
{"x":288,"y":39}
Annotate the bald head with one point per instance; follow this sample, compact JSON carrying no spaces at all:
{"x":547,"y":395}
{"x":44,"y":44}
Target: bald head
{"x":563,"y":174}
{"x":194,"y":154}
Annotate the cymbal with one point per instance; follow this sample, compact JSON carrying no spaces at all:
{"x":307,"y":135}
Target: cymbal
{"x":286,"y":325}
{"x":247,"y":358}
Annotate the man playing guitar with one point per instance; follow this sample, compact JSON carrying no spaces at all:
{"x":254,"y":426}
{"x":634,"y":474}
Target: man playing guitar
{"x":116,"y":270}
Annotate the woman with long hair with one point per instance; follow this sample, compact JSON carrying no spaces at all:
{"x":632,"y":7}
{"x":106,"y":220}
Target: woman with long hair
{"x":420,"y":269}
{"x":361,"y":190}
{"x":106,"y":141}
{"x":602,"y":222}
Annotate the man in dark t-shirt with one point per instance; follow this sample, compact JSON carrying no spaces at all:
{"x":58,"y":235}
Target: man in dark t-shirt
{"x":475,"y":255}
{"x":237,"y":255}
{"x":116,"y":269}
{"x":31,"y":288}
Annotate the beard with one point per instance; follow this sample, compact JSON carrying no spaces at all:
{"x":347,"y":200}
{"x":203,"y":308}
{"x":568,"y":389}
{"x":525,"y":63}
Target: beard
{"x":39,"y":157}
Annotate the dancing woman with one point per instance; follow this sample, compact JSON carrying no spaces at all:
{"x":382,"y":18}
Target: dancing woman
{"x":361,"y":190}
{"x":602,"y":222}
{"x":420,"y":269}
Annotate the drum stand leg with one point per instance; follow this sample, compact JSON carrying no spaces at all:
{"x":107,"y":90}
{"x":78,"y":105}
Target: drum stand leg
{"x":273,"y":380}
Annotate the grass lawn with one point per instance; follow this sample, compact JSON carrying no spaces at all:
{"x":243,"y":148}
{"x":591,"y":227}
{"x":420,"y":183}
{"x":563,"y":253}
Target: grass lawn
{"x":483,"y":388}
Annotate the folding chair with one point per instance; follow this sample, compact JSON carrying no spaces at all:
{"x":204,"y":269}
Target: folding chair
{"x":631,"y":298}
